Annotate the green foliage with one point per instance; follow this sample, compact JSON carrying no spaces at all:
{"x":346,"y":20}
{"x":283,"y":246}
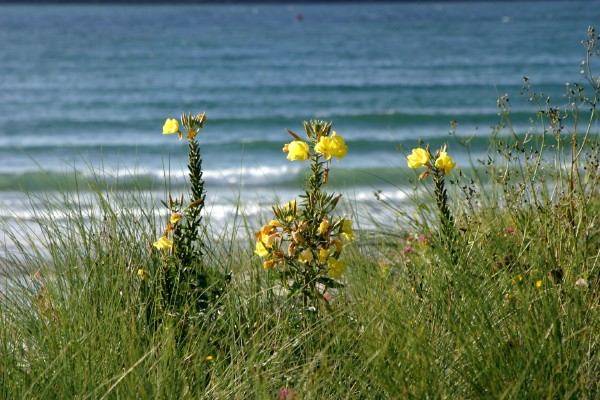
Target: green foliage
{"x":516,"y":316}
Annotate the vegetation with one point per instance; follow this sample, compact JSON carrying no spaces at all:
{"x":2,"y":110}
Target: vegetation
{"x":489,"y":287}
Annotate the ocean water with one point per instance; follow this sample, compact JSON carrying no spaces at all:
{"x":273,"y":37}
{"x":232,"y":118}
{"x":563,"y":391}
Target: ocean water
{"x":87,"y":88}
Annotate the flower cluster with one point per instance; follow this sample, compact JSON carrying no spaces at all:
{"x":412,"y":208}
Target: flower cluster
{"x":326,"y":146}
{"x":303,"y":243}
{"x":289,"y":242}
{"x":423,"y":158}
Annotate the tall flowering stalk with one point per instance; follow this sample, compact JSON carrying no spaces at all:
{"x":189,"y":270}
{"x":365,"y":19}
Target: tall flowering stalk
{"x":437,"y":165}
{"x":302,"y":245}
{"x":184,"y":286}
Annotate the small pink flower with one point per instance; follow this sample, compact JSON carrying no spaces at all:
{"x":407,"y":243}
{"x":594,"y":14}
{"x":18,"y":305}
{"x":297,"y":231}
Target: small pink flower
{"x":423,"y":238}
{"x":327,"y":296}
{"x":286,"y":394}
{"x":410,"y":239}
{"x":509,"y":230}
{"x":408,"y":249}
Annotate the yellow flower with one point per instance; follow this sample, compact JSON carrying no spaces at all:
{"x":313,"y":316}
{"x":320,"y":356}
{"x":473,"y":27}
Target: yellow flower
{"x":418,"y":158}
{"x":266,"y":237}
{"x":347,"y":229}
{"x":323,"y":226}
{"x":171,"y":126}
{"x":209,"y":358}
{"x":142,"y":273}
{"x":298,"y":151}
{"x":336,"y":268}
{"x":538,"y":284}
{"x":268,"y":264}
{"x":332,"y":146}
{"x":305,"y":256}
{"x":175,"y":217}
{"x":444,"y":162}
{"x":260,"y":249}
{"x":323,"y":255}
{"x":164,"y":243}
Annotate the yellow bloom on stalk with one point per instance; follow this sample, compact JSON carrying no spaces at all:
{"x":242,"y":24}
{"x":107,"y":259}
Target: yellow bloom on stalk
{"x":297,"y":150}
{"x":175,"y":217}
{"x":418,"y":158}
{"x":266,"y":237}
{"x":305,"y":256}
{"x":336,"y":267}
{"x":171,"y":126}
{"x":164,"y":243}
{"x":323,"y":255}
{"x":538,"y":284}
{"x":444,"y":162}
{"x":332,"y":146}
{"x":347,"y":230}
{"x":323,"y":226}
{"x":142,"y":273}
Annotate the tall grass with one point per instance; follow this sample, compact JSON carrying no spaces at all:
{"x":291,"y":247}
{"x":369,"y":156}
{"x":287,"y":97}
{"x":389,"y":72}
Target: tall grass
{"x":513,"y":312}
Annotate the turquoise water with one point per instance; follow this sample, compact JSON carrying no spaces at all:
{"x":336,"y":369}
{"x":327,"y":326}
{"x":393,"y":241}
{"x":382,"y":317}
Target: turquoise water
{"x":89,"y":87}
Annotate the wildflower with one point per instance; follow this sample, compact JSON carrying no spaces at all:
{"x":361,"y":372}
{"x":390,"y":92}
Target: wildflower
{"x":171,"y":126}
{"x":209,"y":358}
{"x":266,"y":237}
{"x":444,"y":162}
{"x":538,"y":284}
{"x":323,"y":226}
{"x":163,"y":243}
{"x":418,"y":158}
{"x":332,"y":146}
{"x":175,"y":217}
{"x":260,"y":249}
{"x":142,"y":273}
{"x":347,"y":230}
{"x":509,"y":230}
{"x":305,"y":256}
{"x":323,"y":255}
{"x":336,"y":267}
{"x":408,"y":249}
{"x":297,"y":151}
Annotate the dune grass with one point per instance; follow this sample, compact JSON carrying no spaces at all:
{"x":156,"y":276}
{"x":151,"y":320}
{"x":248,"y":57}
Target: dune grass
{"x":508,"y":308}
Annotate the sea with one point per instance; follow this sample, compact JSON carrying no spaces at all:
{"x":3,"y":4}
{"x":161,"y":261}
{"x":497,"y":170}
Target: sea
{"x":85,"y":90}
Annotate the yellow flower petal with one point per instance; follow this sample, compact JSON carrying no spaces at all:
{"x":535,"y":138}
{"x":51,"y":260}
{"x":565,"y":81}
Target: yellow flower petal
{"x":444,"y":162}
{"x":418,"y":158}
{"x":305,"y":256}
{"x":175,"y":217}
{"x":261,"y":250}
{"x":163,"y":243}
{"x":347,"y":229}
{"x":171,"y":126}
{"x":323,"y":255}
{"x":323,"y":226}
{"x":297,"y":151}
{"x":142,"y":273}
